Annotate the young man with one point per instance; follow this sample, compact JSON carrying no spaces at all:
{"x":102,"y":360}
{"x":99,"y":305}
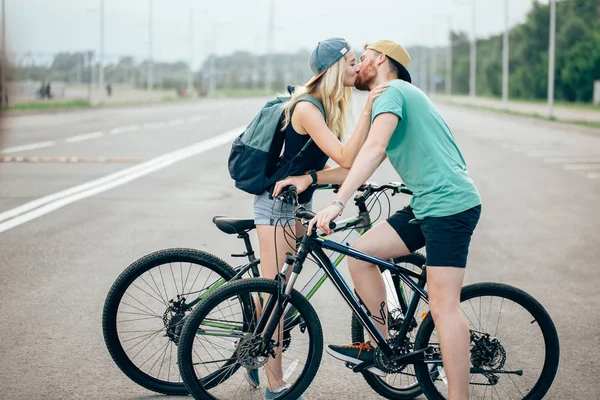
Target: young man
{"x":407,"y":127}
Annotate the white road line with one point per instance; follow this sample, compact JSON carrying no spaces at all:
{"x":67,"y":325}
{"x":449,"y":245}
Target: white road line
{"x":85,"y":136}
{"x":45,"y":205}
{"x":580,"y":167}
{"x":124,"y":129}
{"x":574,"y":160}
{"x":563,"y":153}
{"x":154,"y":125}
{"x":197,"y":118}
{"x":26,"y":147}
{"x":176,"y":122}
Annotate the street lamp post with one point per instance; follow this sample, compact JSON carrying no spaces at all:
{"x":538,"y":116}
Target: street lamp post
{"x":190,"y":83}
{"x":473,"y":57}
{"x":149,"y":72}
{"x":4,"y":63}
{"x":270,"y":34}
{"x":551,"y":55}
{"x":505,"y":71}
{"x":473,"y":79}
{"x":449,"y":59}
{"x":101,"y":61}
{"x":433,"y":66}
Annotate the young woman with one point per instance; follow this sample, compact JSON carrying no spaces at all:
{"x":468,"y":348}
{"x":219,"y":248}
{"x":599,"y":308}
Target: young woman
{"x":335,"y":68}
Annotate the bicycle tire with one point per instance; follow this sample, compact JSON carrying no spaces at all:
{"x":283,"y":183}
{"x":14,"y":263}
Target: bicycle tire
{"x":116,"y":293}
{"x":238,"y":288}
{"x":518,"y":296}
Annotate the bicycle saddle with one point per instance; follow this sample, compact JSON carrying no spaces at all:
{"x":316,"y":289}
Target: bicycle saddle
{"x":234,"y":225}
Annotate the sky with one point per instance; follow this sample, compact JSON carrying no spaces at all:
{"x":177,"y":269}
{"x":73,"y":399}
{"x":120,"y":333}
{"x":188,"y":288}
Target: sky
{"x":45,"y":27}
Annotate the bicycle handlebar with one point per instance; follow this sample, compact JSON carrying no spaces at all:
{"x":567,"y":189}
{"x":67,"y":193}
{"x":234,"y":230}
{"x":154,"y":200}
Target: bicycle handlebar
{"x":306,"y":214}
{"x":290,"y":195}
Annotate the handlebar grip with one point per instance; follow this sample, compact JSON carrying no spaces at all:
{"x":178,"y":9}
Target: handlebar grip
{"x":305,"y":214}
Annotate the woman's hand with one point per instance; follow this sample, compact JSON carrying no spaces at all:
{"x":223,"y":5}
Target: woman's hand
{"x":301,"y":183}
{"x":375,"y":93}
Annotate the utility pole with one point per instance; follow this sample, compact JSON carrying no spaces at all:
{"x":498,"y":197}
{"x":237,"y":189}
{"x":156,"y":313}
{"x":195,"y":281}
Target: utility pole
{"x":149,"y":72}
{"x":190,"y":78}
{"x":270,"y":33}
{"x":449,"y":59}
{"x":473,"y":72}
{"x":4,"y":63}
{"x":505,"y":71}
{"x":101,"y":61}
{"x":213,"y":78}
{"x":551,"y":55}
{"x":423,"y":68}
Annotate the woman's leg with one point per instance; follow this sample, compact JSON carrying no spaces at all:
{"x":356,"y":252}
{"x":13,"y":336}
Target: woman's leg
{"x":273,"y":243}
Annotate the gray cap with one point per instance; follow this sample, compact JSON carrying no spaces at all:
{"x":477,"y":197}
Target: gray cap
{"x":327,"y":53}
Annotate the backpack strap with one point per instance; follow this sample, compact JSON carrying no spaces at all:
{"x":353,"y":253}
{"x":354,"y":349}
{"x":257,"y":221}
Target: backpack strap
{"x":319,"y":105}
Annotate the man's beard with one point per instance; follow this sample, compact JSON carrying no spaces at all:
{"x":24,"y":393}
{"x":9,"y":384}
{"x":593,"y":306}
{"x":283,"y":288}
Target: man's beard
{"x":365,"y":78}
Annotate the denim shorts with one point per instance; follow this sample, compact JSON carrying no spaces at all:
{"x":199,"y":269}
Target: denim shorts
{"x":269,"y":211}
{"x":446,"y":239}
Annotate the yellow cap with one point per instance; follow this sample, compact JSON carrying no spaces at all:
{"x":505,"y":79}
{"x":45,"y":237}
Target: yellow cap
{"x":392,"y":50}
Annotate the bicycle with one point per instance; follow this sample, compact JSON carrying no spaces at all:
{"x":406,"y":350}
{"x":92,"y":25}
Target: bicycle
{"x":241,"y":318}
{"x":143,"y":315}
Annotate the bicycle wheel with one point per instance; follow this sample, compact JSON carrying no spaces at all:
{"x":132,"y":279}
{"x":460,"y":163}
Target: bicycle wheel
{"x":218,"y":343}
{"x":403,"y":384}
{"x":514,"y":345}
{"x":143,"y":312}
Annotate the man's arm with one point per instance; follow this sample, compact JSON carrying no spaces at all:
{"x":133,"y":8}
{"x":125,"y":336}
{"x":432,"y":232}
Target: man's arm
{"x":367,"y":161}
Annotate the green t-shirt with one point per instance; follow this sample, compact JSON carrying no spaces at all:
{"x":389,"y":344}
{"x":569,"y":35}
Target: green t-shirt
{"x":423,"y":152}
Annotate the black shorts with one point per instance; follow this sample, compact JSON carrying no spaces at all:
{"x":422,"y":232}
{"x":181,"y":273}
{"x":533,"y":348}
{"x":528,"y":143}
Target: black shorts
{"x":446,"y":239}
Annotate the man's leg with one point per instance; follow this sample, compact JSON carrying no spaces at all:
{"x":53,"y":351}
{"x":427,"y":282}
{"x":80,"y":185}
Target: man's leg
{"x":443,"y":286}
{"x":392,"y":238}
{"x":382,"y":242}
{"x":448,"y":239}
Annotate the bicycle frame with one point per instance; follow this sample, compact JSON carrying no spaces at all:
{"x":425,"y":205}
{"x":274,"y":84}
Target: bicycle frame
{"x":319,"y":244}
{"x":357,"y":225}
{"x":315,"y":245}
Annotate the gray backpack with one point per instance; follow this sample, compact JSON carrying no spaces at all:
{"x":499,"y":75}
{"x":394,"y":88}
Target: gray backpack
{"x":255,"y":153}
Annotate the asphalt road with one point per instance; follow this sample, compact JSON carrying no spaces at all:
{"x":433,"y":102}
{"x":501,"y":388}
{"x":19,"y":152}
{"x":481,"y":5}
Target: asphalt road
{"x":156,"y":175}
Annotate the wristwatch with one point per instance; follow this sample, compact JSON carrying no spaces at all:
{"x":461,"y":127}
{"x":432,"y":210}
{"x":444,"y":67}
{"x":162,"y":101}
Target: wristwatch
{"x":313,"y":175}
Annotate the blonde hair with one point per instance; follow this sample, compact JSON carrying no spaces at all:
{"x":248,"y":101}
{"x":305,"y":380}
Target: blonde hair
{"x":335,"y":97}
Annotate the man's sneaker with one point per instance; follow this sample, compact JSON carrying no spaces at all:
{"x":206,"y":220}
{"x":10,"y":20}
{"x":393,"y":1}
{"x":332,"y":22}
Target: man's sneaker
{"x":355,"y":353}
{"x":278,"y":393}
{"x":252,"y":377}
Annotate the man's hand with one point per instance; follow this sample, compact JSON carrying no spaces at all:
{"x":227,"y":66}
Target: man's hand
{"x":301,"y":183}
{"x":324,"y":217}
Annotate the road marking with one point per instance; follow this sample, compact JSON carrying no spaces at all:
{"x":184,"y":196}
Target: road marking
{"x":196,"y":118}
{"x":32,"y":146}
{"x":47,"y":204}
{"x":62,"y":159}
{"x":175,"y":122}
{"x":85,"y":136}
{"x":580,"y":167}
{"x":154,"y":125}
{"x":574,"y":160}
{"x":124,"y":129}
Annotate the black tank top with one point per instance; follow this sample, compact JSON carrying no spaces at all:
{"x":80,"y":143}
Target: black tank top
{"x":312,"y":158}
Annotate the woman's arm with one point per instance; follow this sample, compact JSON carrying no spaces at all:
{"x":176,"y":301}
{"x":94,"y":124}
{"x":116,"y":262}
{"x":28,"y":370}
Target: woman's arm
{"x":312,"y":122}
{"x":327,"y":176}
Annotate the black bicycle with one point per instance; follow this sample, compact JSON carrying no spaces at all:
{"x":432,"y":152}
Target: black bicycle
{"x":513,"y":341}
{"x":149,"y":302}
